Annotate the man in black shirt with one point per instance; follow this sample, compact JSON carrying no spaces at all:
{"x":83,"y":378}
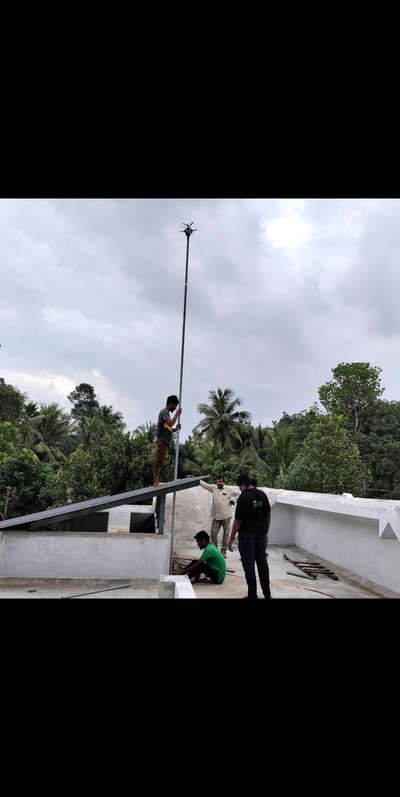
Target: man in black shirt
{"x":252,"y":519}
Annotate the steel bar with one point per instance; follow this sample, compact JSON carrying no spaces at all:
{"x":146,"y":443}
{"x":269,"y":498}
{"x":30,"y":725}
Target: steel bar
{"x":300,"y":575}
{"x":93,"y":591}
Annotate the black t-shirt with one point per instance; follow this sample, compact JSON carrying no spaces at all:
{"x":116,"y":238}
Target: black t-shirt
{"x":252,"y":509}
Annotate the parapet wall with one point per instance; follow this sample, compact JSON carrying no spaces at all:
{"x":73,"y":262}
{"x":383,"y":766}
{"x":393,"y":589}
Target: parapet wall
{"x":360,"y":534}
{"x":83,"y":555}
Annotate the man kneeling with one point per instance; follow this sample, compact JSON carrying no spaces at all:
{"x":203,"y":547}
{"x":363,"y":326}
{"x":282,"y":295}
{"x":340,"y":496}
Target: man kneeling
{"x":211,"y":562}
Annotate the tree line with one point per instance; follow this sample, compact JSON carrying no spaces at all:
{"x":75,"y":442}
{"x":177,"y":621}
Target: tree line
{"x":49,"y":457}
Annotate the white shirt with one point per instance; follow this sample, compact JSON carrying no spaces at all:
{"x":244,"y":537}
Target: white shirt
{"x":221,"y":508}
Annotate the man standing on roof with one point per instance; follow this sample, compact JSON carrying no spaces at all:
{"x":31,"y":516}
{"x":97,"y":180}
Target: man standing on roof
{"x":221,"y":510}
{"x":252,"y":519}
{"x":165,"y":427}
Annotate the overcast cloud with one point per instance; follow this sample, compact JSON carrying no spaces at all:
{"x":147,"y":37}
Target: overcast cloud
{"x":280,"y":292}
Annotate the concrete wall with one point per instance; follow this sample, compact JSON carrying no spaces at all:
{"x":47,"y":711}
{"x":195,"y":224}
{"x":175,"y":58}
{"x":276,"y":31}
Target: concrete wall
{"x":350,"y":542}
{"x":83,"y":555}
{"x":192,"y":513}
{"x":359,"y":534}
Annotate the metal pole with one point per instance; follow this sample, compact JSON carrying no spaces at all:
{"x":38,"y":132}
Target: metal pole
{"x":188,"y":231}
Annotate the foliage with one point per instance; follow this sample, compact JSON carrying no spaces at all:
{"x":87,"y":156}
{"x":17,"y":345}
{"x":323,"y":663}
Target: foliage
{"x":149,"y":430}
{"x":84,"y":402}
{"x":280,"y":447}
{"x":11,"y":403}
{"x":104,"y":469}
{"x":31,"y":483}
{"x":51,"y":429}
{"x":222,"y":422}
{"x":328,"y":462}
{"x":9,"y":438}
{"x":111,"y":421}
{"x":115,"y":463}
{"x":301,"y":423}
{"x":352,"y":392}
{"x":380,"y":449}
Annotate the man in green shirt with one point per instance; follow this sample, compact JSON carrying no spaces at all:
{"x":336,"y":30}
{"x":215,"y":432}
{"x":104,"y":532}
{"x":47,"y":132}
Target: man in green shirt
{"x":211,"y":562}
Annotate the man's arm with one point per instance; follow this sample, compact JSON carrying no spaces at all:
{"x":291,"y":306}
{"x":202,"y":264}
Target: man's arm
{"x":175,"y":418}
{"x":206,"y":486}
{"x":188,"y":568}
{"x":235,"y":529}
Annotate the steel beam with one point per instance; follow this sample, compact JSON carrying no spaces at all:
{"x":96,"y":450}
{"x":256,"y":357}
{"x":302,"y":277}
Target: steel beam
{"x":61,"y":513}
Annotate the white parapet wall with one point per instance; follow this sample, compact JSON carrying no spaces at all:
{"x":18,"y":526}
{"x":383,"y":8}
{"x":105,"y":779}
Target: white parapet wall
{"x":359,"y":534}
{"x":83,"y":555}
{"x":176,"y":587}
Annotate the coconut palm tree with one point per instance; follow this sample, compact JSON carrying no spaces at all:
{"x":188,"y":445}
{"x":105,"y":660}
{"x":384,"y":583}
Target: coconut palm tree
{"x":91,"y":430}
{"x":51,"y":430}
{"x":222,"y":420}
{"x":26,"y":425}
{"x":147,"y":430}
{"x":112,"y":421}
{"x":280,"y":445}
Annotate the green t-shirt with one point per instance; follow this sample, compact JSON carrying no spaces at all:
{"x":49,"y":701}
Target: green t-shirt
{"x":214,"y":559}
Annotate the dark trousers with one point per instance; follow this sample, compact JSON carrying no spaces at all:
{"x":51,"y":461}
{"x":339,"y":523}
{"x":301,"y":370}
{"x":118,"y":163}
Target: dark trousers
{"x":253,"y":550}
{"x":202,"y":567}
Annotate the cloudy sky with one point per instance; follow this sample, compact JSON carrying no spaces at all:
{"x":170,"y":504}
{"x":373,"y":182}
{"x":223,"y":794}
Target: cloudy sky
{"x":280,"y":291}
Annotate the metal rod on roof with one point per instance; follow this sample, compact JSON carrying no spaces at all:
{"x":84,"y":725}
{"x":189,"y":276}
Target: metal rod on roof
{"x":188,"y":231}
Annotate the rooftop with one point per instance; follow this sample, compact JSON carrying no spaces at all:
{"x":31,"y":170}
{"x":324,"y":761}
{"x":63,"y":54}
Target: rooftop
{"x":283,"y":585}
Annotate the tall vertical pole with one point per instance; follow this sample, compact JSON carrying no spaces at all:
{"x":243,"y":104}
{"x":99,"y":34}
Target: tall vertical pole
{"x":188,"y":231}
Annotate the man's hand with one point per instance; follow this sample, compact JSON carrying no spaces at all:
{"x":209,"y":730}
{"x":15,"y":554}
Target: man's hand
{"x":179,"y":412}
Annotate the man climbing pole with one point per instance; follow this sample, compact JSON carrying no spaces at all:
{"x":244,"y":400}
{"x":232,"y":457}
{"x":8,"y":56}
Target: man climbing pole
{"x":165,"y":427}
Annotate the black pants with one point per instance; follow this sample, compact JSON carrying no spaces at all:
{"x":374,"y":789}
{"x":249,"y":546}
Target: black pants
{"x":202,"y":567}
{"x":253,"y":550}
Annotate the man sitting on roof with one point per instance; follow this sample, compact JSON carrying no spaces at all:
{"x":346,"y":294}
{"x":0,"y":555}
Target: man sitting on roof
{"x":211,"y":562}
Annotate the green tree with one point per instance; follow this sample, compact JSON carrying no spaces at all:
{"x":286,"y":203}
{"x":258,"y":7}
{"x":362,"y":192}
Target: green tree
{"x":104,"y":469}
{"x":328,"y":462}
{"x":51,"y":430}
{"x":280,"y":447}
{"x":380,"y":449}
{"x":301,"y":423}
{"x":148,"y":429}
{"x":115,"y":463}
{"x":84,"y":402}
{"x":11,"y":403}
{"x":111,"y":421}
{"x":31,"y":484}
{"x":27,"y":424}
{"x":9,"y":439}
{"x":352,"y":392}
{"x":222,"y":420}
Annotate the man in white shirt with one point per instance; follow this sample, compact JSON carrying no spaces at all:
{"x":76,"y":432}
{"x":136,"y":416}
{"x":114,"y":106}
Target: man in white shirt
{"x":221,"y":510}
